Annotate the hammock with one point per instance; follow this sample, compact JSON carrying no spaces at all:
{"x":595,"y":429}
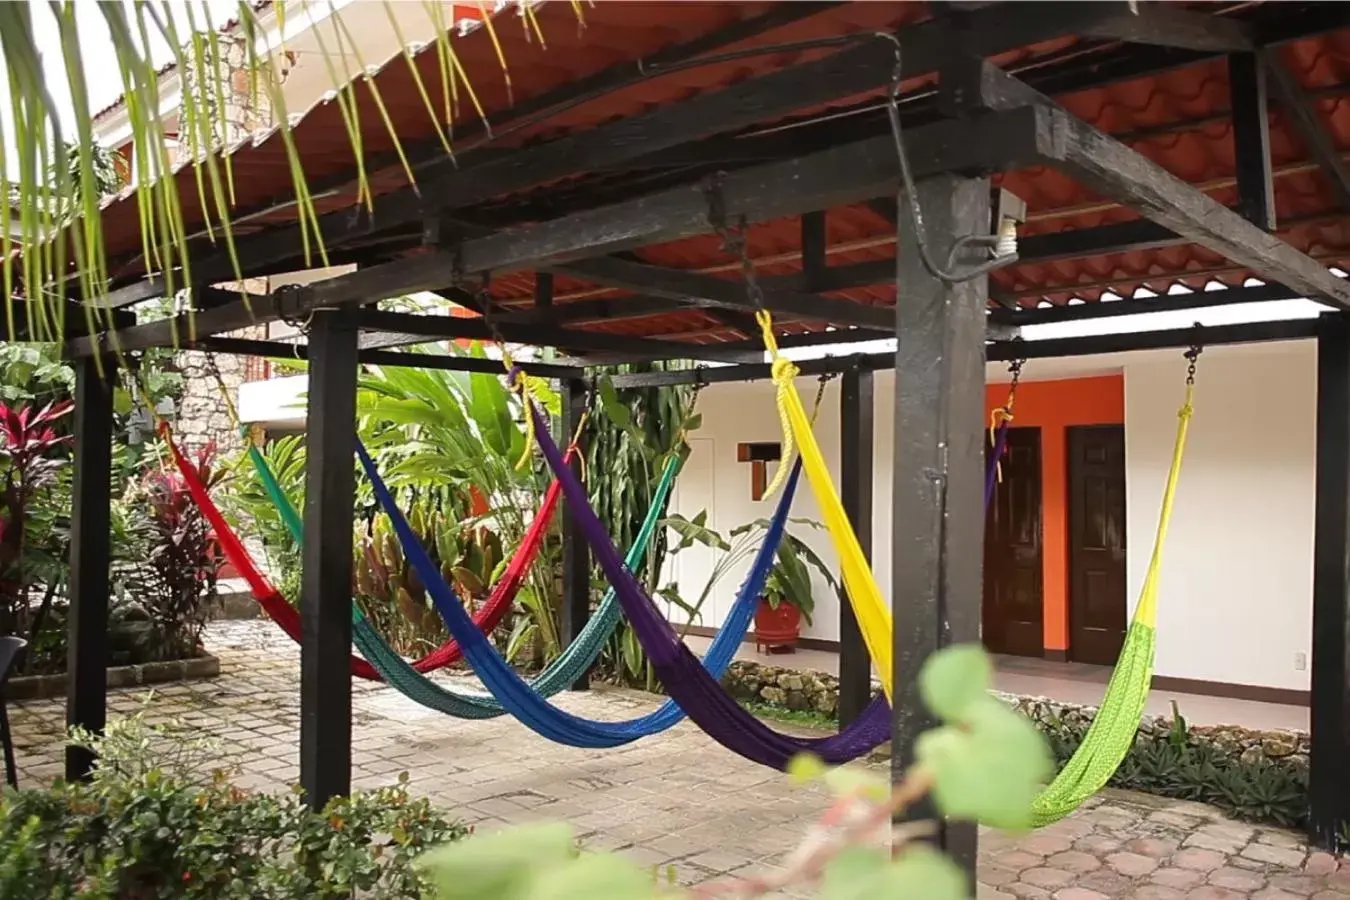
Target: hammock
{"x":516,"y":695}
{"x":1114,"y":726}
{"x":696,"y":691}
{"x":487,"y":618}
{"x":579,"y":656}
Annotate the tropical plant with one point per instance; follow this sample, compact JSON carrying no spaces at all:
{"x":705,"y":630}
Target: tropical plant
{"x":32,"y":454}
{"x":443,"y":438}
{"x":159,"y":820}
{"x":54,"y":170}
{"x":984,"y":762}
{"x":632,"y":435}
{"x":390,"y":592}
{"x":251,"y":510}
{"x":34,"y":374}
{"x":174,"y":579}
{"x":789,"y":580}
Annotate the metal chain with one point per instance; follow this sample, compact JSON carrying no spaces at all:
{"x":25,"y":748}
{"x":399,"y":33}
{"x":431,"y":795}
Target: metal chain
{"x":1193,"y":355}
{"x":734,"y":240}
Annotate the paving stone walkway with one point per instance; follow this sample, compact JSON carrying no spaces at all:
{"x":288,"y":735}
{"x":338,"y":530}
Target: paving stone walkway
{"x":678,"y":799}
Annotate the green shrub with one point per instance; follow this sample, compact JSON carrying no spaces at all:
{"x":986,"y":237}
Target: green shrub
{"x":1180,"y":765}
{"x":154,"y":823}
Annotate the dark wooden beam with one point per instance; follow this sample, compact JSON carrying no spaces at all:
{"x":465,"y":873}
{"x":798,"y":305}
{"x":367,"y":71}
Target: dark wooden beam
{"x":576,"y":556}
{"x":609,"y":309}
{"x":999,"y":351}
{"x":1119,"y":237}
{"x":30,"y":324}
{"x":543,"y":290}
{"x":1251,"y":139}
{"x":1300,"y":110}
{"x":1168,"y":26}
{"x":838,"y":176}
{"x":886,"y":208}
{"x":1170,"y":339}
{"x":709,"y":290}
{"x":937,"y":508}
{"x":814,"y":240}
{"x":1115,"y":171}
{"x":1078,"y":312}
{"x":1329,"y":776}
{"x":90,"y":558}
{"x":441,"y":361}
{"x":856,"y":442}
{"x":393,"y":329}
{"x":326,"y":574}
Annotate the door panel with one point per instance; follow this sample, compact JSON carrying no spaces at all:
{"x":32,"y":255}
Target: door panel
{"x":1096,"y":543}
{"x":1012,"y":614}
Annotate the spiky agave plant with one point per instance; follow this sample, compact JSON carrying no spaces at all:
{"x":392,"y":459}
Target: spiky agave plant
{"x":51,"y":238}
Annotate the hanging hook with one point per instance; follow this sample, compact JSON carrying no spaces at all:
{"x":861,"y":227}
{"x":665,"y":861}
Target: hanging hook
{"x":1192,"y":355}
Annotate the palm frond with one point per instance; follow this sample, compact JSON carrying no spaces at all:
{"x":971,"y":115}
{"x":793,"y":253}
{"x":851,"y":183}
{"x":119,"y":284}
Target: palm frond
{"x":53,"y":238}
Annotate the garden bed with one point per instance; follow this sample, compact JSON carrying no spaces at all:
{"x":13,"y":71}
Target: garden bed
{"x":42,"y":687}
{"x":1253,"y":774}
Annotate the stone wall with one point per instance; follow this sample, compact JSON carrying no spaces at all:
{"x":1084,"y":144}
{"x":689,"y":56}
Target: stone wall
{"x":819,"y":692}
{"x":202,"y":414}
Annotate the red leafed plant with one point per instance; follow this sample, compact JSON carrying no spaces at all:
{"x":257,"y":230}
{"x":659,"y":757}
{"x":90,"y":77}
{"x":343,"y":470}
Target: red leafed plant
{"x":29,"y":462}
{"x":176,"y":584}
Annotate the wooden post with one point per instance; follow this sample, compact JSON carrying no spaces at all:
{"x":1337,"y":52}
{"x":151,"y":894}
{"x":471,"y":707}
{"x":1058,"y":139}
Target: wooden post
{"x":326,"y":586}
{"x":937,"y":510}
{"x":90,"y":557}
{"x":1329,"y":776}
{"x":576,"y":557}
{"x":856,"y":440}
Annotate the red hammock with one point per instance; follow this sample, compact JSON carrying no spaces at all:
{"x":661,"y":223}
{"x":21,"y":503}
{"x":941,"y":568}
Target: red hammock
{"x":288,"y":617}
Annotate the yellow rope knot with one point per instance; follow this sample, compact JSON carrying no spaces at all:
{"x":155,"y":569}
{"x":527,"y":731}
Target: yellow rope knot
{"x":517,"y":384}
{"x":783,"y":371}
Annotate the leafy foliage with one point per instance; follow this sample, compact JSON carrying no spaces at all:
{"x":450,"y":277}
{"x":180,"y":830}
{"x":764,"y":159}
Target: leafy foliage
{"x":789,"y":580}
{"x":1182,"y":764}
{"x":32,"y":455}
{"x":632,"y":435}
{"x":154,"y":822}
{"x":173,"y":576}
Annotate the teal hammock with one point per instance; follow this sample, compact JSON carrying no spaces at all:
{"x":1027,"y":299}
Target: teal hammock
{"x":569,"y":666}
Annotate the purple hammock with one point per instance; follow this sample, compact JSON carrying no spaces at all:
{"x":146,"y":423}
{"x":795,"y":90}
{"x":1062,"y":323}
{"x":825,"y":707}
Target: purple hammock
{"x":703,"y":699}
{"x":687,"y":682}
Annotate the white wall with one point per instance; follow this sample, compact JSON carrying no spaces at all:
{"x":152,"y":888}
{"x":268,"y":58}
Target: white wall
{"x":1235,"y":597}
{"x":1235,"y":603}
{"x":715,"y":481}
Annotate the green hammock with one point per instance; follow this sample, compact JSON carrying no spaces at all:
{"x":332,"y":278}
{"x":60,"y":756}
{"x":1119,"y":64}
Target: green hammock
{"x":1113,"y":728}
{"x":570,"y":665}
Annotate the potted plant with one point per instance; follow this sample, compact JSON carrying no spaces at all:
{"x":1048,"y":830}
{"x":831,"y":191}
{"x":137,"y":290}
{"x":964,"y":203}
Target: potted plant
{"x":787,"y":600}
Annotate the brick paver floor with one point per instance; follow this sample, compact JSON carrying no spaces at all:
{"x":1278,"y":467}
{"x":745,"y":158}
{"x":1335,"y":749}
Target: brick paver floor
{"x":678,"y":799}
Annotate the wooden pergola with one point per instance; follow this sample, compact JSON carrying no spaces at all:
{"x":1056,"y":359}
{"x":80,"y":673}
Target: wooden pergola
{"x":1138,"y":145}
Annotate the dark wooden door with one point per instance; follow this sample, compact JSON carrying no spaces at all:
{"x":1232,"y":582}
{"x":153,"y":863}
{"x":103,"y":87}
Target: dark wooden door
{"x":1013,"y":605}
{"x":1096,"y":543}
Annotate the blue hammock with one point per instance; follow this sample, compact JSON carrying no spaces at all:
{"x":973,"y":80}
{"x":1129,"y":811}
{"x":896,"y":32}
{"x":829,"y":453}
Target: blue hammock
{"x":515,"y":694}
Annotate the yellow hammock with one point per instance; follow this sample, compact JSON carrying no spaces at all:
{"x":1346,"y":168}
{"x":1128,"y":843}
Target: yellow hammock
{"x":1113,"y":728}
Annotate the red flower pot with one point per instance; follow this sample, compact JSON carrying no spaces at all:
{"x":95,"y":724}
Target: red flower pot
{"x":777,"y":630}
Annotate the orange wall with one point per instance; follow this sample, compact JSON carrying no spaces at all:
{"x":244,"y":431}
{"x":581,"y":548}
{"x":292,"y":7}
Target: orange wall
{"x":1054,"y":406}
